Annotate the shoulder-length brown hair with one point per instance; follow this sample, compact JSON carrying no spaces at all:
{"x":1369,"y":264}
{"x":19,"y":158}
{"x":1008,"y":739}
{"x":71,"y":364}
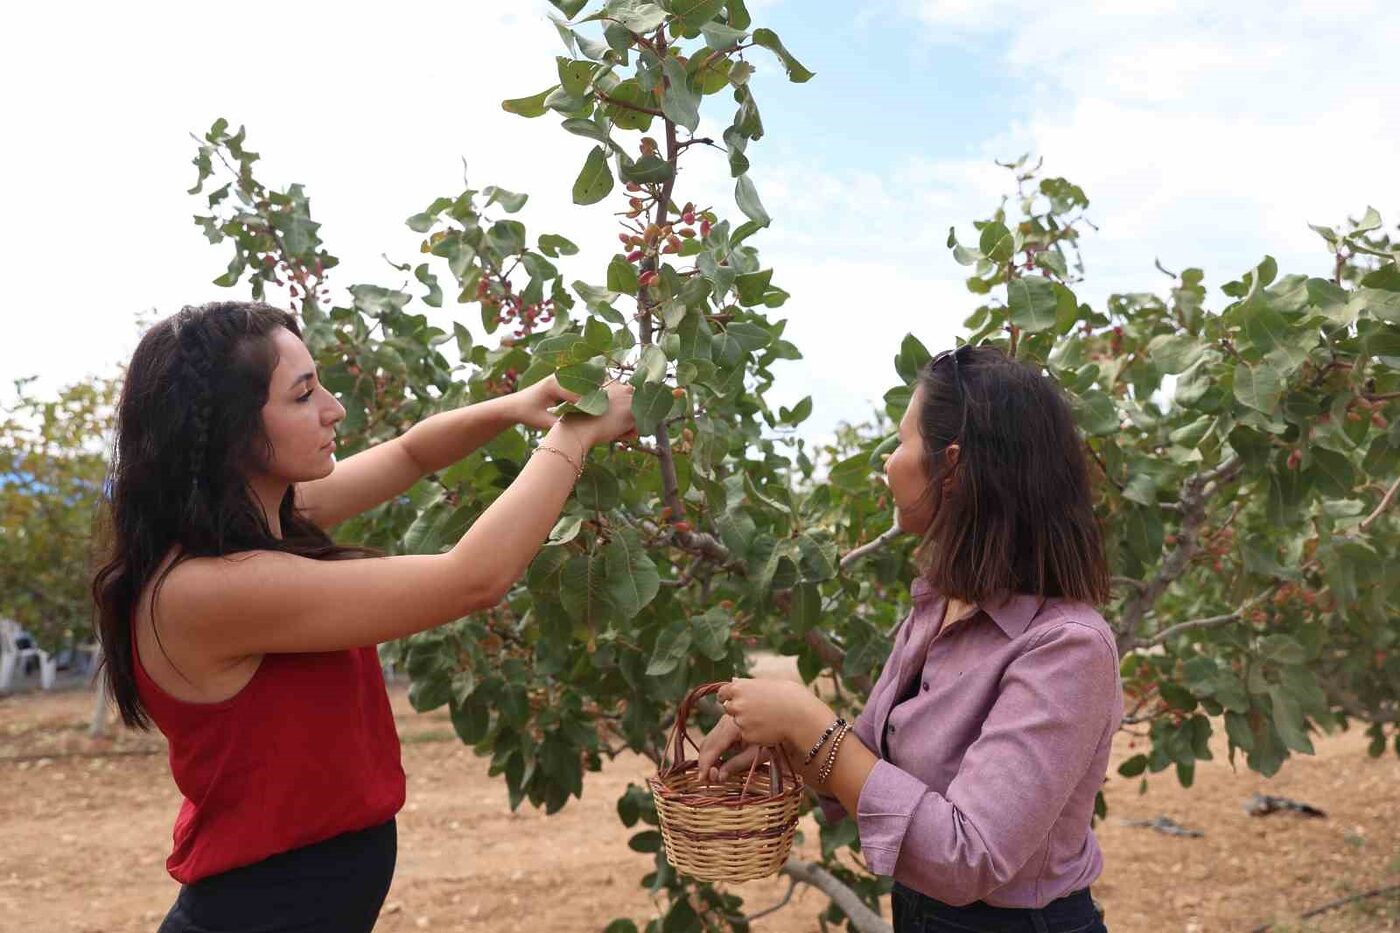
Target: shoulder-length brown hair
{"x":1018,"y":514}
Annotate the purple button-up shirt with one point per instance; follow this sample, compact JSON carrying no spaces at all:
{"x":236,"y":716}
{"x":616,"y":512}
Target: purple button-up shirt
{"x":988,"y":771}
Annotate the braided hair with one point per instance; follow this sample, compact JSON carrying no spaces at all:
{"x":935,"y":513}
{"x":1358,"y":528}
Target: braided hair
{"x":189,"y":432}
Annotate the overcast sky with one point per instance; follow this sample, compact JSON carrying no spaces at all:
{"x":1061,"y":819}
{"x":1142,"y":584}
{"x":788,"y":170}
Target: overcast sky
{"x":1204,"y":133}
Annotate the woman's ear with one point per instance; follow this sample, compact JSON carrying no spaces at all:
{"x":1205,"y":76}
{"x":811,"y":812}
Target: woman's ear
{"x":951,"y":454}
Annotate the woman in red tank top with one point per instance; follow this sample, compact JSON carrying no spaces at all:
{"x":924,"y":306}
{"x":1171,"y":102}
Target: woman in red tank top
{"x":232,"y":622}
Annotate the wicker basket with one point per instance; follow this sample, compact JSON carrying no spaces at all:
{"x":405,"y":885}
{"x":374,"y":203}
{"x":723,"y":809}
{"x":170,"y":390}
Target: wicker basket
{"x":735,"y":831}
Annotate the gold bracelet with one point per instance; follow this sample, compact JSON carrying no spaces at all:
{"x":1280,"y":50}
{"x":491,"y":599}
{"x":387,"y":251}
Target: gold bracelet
{"x":578,"y":470}
{"x":825,"y":774}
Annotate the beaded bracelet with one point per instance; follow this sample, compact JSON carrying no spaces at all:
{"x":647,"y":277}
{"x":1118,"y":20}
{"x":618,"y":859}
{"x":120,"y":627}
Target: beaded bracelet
{"x":578,"y":470}
{"x":840,"y":721}
{"x":825,"y":774}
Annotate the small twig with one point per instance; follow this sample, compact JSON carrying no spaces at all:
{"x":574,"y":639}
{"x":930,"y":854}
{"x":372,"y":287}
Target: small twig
{"x":1385,"y":503}
{"x":750,"y":918}
{"x":1130,"y":581}
{"x":884,"y":539}
{"x":1169,"y":633}
{"x":1333,"y":905}
{"x":626,"y":106}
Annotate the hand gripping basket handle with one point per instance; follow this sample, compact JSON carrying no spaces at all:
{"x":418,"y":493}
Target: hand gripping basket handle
{"x":679,"y":736}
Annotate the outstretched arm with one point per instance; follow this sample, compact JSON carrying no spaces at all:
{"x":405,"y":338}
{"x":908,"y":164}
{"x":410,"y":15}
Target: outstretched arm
{"x":385,"y":470}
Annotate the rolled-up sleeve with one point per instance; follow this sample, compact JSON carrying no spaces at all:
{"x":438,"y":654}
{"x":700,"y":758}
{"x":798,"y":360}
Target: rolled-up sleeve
{"x":1054,"y":706}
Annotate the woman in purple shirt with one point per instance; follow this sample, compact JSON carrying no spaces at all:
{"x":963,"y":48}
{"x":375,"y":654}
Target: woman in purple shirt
{"x":974,"y":765}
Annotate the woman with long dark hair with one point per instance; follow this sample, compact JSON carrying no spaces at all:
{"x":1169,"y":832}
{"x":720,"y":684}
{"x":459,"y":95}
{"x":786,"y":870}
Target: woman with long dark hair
{"x":231,"y":620}
{"x":973,"y":768}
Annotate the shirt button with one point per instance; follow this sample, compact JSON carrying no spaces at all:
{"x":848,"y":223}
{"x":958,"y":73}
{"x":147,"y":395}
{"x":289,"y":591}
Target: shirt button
{"x":926,"y":685}
{"x":889,"y":729}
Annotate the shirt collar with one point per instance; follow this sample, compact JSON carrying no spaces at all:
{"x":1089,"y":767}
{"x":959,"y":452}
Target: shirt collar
{"x":1012,"y":612}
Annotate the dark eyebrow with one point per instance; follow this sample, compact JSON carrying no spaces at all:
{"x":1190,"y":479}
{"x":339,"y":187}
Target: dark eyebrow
{"x":304,"y":377}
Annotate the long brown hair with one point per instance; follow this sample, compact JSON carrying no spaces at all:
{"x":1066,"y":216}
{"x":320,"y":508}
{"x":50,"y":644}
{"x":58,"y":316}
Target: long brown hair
{"x":1018,"y":516}
{"x":189,"y":425}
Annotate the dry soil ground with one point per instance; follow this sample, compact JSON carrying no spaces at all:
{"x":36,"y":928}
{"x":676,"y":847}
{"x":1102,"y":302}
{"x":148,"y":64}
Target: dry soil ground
{"x":86,"y":828}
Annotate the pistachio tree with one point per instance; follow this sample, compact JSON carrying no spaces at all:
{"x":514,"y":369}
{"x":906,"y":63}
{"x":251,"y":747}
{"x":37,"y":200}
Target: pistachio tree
{"x":1245,"y":450}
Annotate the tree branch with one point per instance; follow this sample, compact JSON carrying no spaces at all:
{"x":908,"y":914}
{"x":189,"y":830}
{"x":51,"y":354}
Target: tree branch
{"x":1385,"y":503}
{"x":1197,"y":489}
{"x":1338,"y":695}
{"x":1167,"y":634}
{"x":624,"y":105}
{"x":833,"y":657}
{"x":1334,"y":904}
{"x":862,"y":917}
{"x":871,"y":546}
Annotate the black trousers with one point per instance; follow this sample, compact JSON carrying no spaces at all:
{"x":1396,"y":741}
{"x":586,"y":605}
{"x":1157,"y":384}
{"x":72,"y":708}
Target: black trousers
{"x":919,"y":913}
{"x":335,"y":886}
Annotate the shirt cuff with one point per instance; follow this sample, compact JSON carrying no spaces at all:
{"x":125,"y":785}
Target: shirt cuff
{"x":887,"y":803}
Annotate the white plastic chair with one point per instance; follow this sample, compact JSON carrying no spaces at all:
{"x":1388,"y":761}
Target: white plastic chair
{"x":12,"y":655}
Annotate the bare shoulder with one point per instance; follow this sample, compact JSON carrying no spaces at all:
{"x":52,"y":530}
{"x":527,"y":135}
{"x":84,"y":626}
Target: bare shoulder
{"x":170,"y":649}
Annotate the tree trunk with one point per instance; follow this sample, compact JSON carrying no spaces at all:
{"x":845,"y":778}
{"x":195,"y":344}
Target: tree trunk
{"x":862,"y":917}
{"x":98,"y":729}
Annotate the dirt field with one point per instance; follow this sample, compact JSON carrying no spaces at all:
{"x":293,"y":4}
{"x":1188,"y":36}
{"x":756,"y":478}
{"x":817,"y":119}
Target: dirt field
{"x":86,"y":828}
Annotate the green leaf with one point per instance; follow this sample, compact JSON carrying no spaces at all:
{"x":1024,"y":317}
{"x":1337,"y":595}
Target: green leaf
{"x":1175,"y":353}
{"x":569,"y":8}
{"x":651,"y":365}
{"x":1289,"y":721}
{"x":509,"y":200}
{"x":912,"y":357}
{"x":632,"y":581}
{"x":1281,"y":649}
{"x":597,"y":488}
{"x":806,"y":609}
{"x":528,"y":106}
{"x":695,"y":13}
{"x":996,"y":242}
{"x":647,"y":170}
{"x":627,"y":118}
{"x":720,"y":36}
{"x":636,"y":15}
{"x":1133,"y":766}
{"x":581,"y":378}
{"x":795,"y":70}
{"x":710,"y":633}
{"x":1096,"y":413}
{"x":651,"y":402}
{"x":1032,"y":302}
{"x":679,"y":101}
{"x":595,"y":180}
{"x":554,"y":246}
{"x":1380,"y":303}
{"x":582,"y":585}
{"x":623,"y":277}
{"x":746,"y":197}
{"x":1258,"y":387}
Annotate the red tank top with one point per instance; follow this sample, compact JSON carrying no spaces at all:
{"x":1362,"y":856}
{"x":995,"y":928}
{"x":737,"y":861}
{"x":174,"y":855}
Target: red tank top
{"x":305,"y":751}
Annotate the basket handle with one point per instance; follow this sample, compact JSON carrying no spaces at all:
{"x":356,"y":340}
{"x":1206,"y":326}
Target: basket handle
{"x":675,"y":749}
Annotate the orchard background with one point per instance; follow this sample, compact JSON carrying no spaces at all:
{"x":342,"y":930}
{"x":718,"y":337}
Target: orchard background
{"x":1247,"y":451}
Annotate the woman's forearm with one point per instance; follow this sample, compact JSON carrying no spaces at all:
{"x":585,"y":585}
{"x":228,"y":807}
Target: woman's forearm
{"x":502,"y":542}
{"x":440,"y":440}
{"x":852,"y":767}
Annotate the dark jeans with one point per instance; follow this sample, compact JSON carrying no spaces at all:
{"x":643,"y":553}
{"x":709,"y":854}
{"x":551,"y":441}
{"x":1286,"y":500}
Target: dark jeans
{"x":919,"y":913}
{"x":336,"y":886}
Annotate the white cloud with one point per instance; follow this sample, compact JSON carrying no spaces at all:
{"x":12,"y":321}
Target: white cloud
{"x":1203,"y":133}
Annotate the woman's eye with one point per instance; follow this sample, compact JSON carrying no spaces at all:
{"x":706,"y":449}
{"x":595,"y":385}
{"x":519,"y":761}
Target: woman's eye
{"x":307,"y":396}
